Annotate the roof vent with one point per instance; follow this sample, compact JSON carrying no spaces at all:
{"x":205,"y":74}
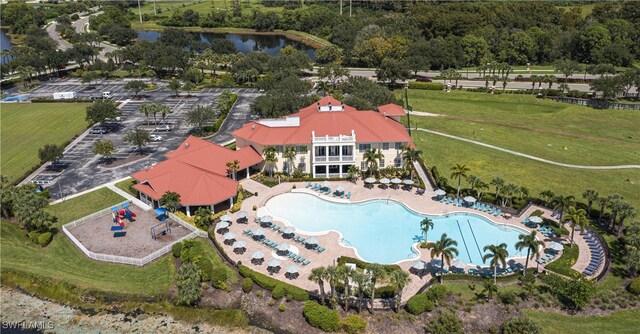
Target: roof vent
{"x":318,"y":105}
{"x":253,"y":127}
{"x":186,"y":144}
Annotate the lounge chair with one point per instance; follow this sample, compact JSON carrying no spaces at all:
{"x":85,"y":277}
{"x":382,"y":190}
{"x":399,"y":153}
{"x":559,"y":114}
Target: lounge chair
{"x":455,"y":202}
{"x":301,"y":240}
{"x":308,"y":185}
{"x":497,"y":213}
{"x":306,"y":262}
{"x":443,"y":199}
{"x":320,"y":249}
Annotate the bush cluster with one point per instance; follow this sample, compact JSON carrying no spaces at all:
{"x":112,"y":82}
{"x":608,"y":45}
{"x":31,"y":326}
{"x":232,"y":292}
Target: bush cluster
{"x":508,"y":297}
{"x":520,"y":325}
{"x":176,"y":249}
{"x":426,"y":85}
{"x":268,"y":283}
{"x":419,"y":304}
{"x":353,"y":324}
{"x":634,"y":286}
{"x":45,"y":238}
{"x":321,"y":317}
{"x":247,"y":285}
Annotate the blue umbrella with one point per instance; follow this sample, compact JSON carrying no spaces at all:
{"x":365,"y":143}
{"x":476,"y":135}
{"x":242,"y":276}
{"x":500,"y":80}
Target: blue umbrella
{"x":160,"y":211}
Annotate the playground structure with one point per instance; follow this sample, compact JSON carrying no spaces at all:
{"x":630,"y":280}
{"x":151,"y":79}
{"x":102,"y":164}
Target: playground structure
{"x":160,"y":229}
{"x":118,"y":215}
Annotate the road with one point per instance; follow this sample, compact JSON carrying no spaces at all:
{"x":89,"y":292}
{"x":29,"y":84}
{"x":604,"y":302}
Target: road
{"x":79,"y":26}
{"x":51,"y":30}
{"x":369,"y":72}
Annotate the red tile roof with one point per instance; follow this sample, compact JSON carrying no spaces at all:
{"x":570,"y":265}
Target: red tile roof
{"x":391,"y":109}
{"x":369,"y":126}
{"x":197,"y":171}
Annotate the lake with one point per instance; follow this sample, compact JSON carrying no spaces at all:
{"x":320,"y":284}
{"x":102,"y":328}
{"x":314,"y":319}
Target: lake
{"x":5,"y":43}
{"x":245,"y":43}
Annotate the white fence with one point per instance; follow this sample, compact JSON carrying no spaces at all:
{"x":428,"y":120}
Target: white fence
{"x":123,"y":259}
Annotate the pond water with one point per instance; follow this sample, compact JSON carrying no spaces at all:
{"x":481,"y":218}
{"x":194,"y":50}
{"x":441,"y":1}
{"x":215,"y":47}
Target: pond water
{"x":245,"y":43}
{"x":5,"y":43}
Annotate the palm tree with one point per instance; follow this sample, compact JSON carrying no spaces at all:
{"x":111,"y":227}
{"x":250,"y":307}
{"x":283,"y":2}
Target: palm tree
{"x":170,"y":200}
{"x":532,"y":244}
{"x":377,"y":273}
{"x":459,"y":171}
{"x":603,"y":202}
{"x":371,"y":158}
{"x":550,"y":79}
{"x":353,"y":172}
{"x":510,"y":190}
{"x":575,"y":218}
{"x":473,"y":180}
{"x":290,"y":155}
{"x":409,"y":155}
{"x":480,"y":187}
{"x":345,"y":274}
{"x":489,"y":288}
{"x":445,"y":249}
{"x":625,"y":211}
{"x":563,"y":203}
{"x":332,"y":277}
{"x":399,"y":279}
{"x":232,"y":167}
{"x":497,"y":182}
{"x":547,"y":196}
{"x":318,"y":276}
{"x":425,"y":225}
{"x":616,"y":202}
{"x":146,"y":109}
{"x":163,"y":109}
{"x":590,"y":195}
{"x":534,"y":78}
{"x":361,"y":281}
{"x":203,"y":217}
{"x":270,"y":158}
{"x":498,"y":255}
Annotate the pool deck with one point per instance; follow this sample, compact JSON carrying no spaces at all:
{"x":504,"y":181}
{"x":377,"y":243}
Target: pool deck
{"x":330,"y":241}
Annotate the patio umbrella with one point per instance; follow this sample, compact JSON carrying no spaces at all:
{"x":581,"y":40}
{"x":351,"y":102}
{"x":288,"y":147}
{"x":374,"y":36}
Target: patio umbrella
{"x":289,"y":230}
{"x":225,"y":218}
{"x":312,"y":241}
{"x":556,"y":246}
{"x":242,"y":214}
{"x":340,"y":189}
{"x":222,"y":225}
{"x":229,"y":236}
{"x":419,"y":265}
{"x":470,"y":199}
{"x":283,"y":247}
{"x":258,"y":233}
{"x":293,"y":269}
{"x":266,"y":219}
{"x":257,"y":255}
{"x":440,"y":192}
{"x":159,"y":211}
{"x":370,"y":180}
{"x":459,"y":263}
{"x":435,"y":262}
{"x":408,"y":182}
{"x":239,"y":244}
{"x":384,"y":180}
{"x":396,"y":180}
{"x":326,"y":184}
{"x":273,"y":263}
{"x":535,"y":219}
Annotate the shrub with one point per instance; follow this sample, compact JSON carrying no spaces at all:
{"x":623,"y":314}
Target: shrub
{"x":634,"y":286}
{"x":387,"y":291}
{"x":268,"y":283}
{"x":278,"y":292}
{"x":188,"y":282}
{"x":282,"y":307}
{"x":247,"y":285}
{"x":426,"y":85}
{"x":45,"y":238}
{"x":445,"y":323}
{"x":508,"y":297}
{"x":353,"y":324}
{"x":219,"y":278}
{"x":176,"y":249}
{"x":33,"y":236}
{"x":419,"y":304}
{"x":321,"y":317}
{"x":206,"y":268}
{"x":436,"y":292}
{"x":520,"y":325}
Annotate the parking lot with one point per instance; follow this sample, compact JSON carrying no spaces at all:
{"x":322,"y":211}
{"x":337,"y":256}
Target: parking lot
{"x":79,"y":169}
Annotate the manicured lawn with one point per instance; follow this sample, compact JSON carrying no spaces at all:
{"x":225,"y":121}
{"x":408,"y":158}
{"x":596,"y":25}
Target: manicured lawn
{"x":563,"y":264}
{"x":61,"y":260}
{"x":26,"y":127}
{"x":552,"y":130}
{"x":84,"y":205}
{"x":126,"y":186}
{"x":536,"y":176}
{"x":554,"y":323}
{"x":217,"y":260}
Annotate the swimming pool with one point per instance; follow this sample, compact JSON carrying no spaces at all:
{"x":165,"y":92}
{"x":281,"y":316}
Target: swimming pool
{"x":383,"y":231}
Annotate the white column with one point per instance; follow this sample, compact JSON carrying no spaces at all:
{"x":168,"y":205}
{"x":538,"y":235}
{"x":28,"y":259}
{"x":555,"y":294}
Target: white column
{"x":248,"y":174}
{"x":231,"y":201}
{"x":213,"y":208}
{"x":188,"y":211}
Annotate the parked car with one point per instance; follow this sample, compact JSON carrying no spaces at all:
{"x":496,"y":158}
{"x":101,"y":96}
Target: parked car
{"x":163,"y":128}
{"x":422,"y":78}
{"x":156,"y":138}
{"x":99,"y":130}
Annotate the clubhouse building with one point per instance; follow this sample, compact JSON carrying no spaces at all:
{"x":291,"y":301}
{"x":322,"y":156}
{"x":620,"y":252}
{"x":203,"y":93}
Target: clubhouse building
{"x":328,"y":137}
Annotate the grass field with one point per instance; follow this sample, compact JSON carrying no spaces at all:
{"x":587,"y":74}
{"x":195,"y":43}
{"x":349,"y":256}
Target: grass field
{"x":166,"y":8}
{"x":126,"y":186}
{"x":26,"y":127}
{"x":61,"y":260}
{"x":487,"y":163}
{"x":622,"y":322}
{"x":565,"y":262}
{"x":84,"y":205}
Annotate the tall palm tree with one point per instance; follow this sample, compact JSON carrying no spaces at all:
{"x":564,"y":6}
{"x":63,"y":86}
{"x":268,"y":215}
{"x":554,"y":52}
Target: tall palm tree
{"x":371,"y":158}
{"x":625,"y":211}
{"x":510,"y":190}
{"x":399,"y":279}
{"x":616,"y":202}
{"x":480,"y":188}
{"x":563,"y":203}
{"x":603,"y":202}
{"x":361,"y":281}
{"x":445,"y":249}
{"x":547,"y":196}
{"x":170,"y":200}
{"x":332,"y":277}
{"x":318,"y":276}
{"x":591,"y":195}
{"x":425,"y":225}
{"x":290,"y":155}
{"x":270,"y":158}
{"x":232,"y":167}
{"x":353,"y":172}
{"x":409,"y":155}
{"x":163,"y":110}
{"x":497,"y":182}
{"x":377,"y":274}
{"x":498,"y":255}
{"x":575,"y":218}
{"x":146,"y":109}
{"x":532,"y":244}
{"x":473,"y":180}
{"x":345,"y":275}
{"x":459,"y":171}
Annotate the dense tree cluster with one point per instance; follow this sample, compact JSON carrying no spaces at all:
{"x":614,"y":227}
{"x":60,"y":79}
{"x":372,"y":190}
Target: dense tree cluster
{"x":114,"y":25}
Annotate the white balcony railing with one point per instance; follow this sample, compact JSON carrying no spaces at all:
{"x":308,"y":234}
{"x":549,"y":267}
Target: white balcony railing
{"x":344,"y":158}
{"x":333,"y":139}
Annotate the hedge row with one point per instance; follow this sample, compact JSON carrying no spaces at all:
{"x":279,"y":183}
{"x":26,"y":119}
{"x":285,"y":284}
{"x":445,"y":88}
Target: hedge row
{"x":268,"y":283}
{"x":366,"y":265}
{"x":321,"y":317}
{"x":426,"y":85}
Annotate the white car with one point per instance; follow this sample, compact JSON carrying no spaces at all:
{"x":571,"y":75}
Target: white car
{"x":163,"y":128}
{"x":156,"y":138}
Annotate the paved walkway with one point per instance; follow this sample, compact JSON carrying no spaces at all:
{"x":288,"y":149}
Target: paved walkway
{"x":526,"y":155}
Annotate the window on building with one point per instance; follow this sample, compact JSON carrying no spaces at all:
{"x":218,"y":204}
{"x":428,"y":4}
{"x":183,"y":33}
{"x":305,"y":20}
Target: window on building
{"x":382,"y":163}
{"x":363,"y":165}
{"x":321,"y":151}
{"x":398,"y":145}
{"x":302,"y":166}
{"x":397,"y":162}
{"x":347,"y":150}
{"x":280,"y":148}
{"x":364,"y":147}
{"x":334,"y":151}
{"x":334,"y":169}
{"x":345,"y":169}
{"x":385,"y":146}
{"x":321,"y":169}
{"x":301,"y":149}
